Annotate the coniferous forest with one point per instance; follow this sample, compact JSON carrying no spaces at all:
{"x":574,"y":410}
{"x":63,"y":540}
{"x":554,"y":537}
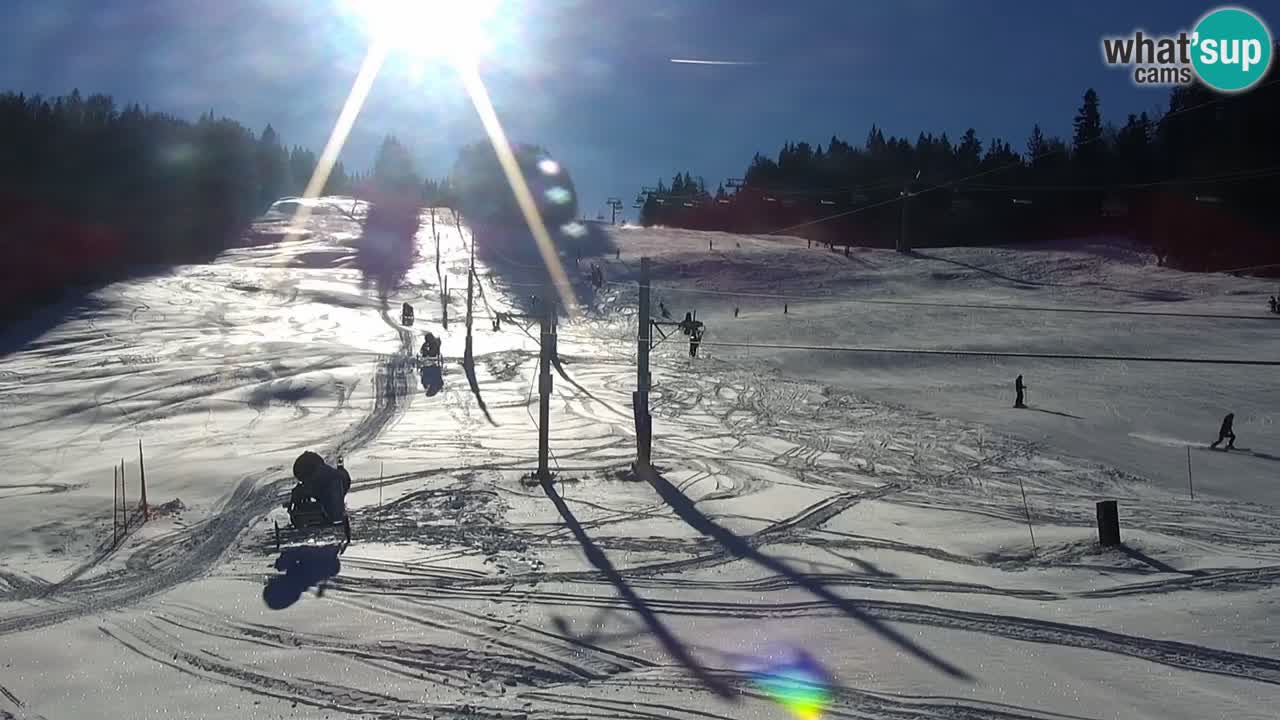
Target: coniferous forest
{"x":90,"y":191}
{"x":1198,"y":185}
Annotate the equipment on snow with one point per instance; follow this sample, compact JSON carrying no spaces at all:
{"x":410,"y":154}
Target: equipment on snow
{"x":319,"y":498}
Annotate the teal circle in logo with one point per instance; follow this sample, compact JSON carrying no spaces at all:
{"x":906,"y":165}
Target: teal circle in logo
{"x":1231,"y":49}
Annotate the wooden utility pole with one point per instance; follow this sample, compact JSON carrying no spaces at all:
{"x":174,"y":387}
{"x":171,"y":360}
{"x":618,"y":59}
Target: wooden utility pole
{"x":640,"y":401}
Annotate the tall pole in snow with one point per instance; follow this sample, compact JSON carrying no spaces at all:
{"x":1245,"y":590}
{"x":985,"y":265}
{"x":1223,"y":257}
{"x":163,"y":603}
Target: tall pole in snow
{"x":904,"y":240}
{"x":640,"y":401}
{"x":1190,"y":486}
{"x":115,"y":505}
{"x":471,"y":272}
{"x":124,"y":504}
{"x":544,"y":390}
{"x":142,"y":473}
{"x":1027,"y":508}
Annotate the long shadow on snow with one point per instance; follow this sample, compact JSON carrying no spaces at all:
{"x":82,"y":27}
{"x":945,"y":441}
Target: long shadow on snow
{"x":559,"y":366}
{"x":663,"y":634}
{"x":469,"y":367}
{"x":686,"y":510}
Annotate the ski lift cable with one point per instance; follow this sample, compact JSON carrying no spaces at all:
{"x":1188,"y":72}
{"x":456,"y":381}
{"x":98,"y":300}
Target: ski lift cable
{"x":1004,"y":167}
{"x":984,"y":353}
{"x":963,"y":306}
{"x":1001,"y":353}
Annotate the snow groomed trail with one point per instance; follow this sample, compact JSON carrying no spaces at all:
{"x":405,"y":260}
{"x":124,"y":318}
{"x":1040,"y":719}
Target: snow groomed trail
{"x":866,"y":518}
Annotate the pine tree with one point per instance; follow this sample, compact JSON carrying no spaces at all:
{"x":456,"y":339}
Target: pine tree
{"x":393,"y":169}
{"x":273,"y":168}
{"x":1089,"y":151}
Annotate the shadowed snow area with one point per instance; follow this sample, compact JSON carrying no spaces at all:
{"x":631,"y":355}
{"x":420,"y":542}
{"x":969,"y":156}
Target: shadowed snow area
{"x":866,"y":508}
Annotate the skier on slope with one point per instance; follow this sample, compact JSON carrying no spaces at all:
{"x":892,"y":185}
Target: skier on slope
{"x":1226,"y":432}
{"x":317,"y":481}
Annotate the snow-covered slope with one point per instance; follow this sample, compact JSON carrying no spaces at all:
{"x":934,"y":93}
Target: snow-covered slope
{"x":859,"y":516}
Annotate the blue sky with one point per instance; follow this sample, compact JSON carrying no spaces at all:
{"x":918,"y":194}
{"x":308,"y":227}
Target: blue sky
{"x":593,"y":81}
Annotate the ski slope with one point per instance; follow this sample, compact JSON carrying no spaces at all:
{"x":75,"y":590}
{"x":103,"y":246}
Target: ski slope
{"x":857,"y":514}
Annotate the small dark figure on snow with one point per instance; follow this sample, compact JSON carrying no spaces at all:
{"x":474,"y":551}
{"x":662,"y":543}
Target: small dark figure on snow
{"x":735,"y":312}
{"x":406,"y":314}
{"x":430,"y":346}
{"x":617,"y":254}
{"x":1019,"y":389}
{"x":695,"y":338}
{"x":1275,"y":307}
{"x":1226,"y":433}
{"x":785,"y":308}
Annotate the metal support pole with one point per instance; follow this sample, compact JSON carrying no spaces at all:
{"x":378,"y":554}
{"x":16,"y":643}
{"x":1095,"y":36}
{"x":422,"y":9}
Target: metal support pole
{"x":903,"y":243}
{"x":644,"y":423}
{"x":124,"y":504}
{"x":544,"y":393}
{"x":142,"y":473}
{"x":115,"y":505}
{"x":471,"y":273}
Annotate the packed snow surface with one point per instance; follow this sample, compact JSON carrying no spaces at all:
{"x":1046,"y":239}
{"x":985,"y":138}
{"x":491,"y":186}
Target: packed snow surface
{"x":856,"y":514}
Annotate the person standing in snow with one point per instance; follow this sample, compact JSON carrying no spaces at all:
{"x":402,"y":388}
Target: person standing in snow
{"x":430,"y":346}
{"x":1273,"y":304}
{"x":1019,"y":389}
{"x":1226,"y":433}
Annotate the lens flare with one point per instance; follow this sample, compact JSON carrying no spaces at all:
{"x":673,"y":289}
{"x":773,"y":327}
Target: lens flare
{"x":558,"y":195}
{"x":801,"y":685}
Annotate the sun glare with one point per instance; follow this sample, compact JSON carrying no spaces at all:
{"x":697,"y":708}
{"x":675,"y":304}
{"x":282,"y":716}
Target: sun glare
{"x":455,"y":30}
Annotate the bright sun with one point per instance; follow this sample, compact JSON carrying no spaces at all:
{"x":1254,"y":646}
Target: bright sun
{"x":450,"y":29}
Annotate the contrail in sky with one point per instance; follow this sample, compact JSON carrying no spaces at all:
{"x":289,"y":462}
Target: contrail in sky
{"x":687,"y":61}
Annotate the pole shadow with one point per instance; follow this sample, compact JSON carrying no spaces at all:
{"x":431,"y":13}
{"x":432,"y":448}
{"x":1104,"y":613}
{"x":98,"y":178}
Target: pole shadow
{"x":1055,"y":412}
{"x":469,"y":367}
{"x":1152,"y":562}
{"x":601,"y":562}
{"x":685,"y":509}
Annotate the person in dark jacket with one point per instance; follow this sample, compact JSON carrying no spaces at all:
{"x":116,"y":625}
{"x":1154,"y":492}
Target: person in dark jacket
{"x":1226,"y":432}
{"x":318,"y":481}
{"x":1019,"y":390}
{"x":430,"y":346}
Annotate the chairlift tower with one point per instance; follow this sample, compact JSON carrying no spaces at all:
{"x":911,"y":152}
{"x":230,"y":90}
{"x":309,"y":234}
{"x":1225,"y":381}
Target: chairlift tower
{"x":615,"y":204}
